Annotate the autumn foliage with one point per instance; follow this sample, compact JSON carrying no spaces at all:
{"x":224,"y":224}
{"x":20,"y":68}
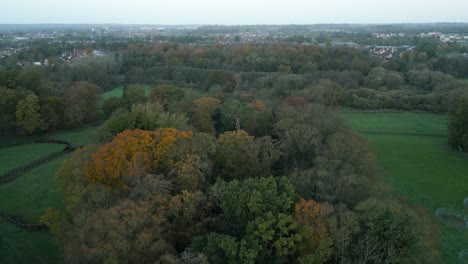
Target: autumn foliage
{"x":298,"y":102}
{"x":129,"y":153}
{"x":308,"y":212}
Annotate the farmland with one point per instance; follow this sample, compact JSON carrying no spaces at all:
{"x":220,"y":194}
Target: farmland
{"x":30,"y":194}
{"x":421,"y":168}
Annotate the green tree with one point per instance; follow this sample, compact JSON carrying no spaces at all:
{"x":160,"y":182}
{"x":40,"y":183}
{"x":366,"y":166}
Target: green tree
{"x":111,"y":104}
{"x":389,"y":234}
{"x":233,"y":113}
{"x":145,"y":117}
{"x":81,"y":103}
{"x":9,"y":79}
{"x":458,"y":126}
{"x":28,"y":116}
{"x":165,"y":95}
{"x":133,"y":94}
{"x":8,"y":100}
{"x":239,"y":155}
{"x":257,"y":222}
{"x":204,"y":112}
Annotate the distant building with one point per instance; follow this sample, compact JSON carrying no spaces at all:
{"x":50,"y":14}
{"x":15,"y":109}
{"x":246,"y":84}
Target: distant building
{"x":99,"y":53}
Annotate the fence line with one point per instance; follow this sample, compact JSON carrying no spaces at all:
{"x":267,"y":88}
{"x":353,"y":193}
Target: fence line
{"x":401,"y":134}
{"x":19,"y":223}
{"x":12,"y":174}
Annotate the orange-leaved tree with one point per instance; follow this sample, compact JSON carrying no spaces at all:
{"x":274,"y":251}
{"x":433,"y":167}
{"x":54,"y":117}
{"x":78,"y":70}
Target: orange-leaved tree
{"x":129,"y":153}
{"x":317,"y":246}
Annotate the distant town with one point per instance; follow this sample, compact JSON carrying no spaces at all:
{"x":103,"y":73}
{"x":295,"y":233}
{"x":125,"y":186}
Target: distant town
{"x":99,"y":40}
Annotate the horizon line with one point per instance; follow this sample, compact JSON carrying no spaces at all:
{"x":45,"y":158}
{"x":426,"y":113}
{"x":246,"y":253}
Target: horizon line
{"x":227,"y":24}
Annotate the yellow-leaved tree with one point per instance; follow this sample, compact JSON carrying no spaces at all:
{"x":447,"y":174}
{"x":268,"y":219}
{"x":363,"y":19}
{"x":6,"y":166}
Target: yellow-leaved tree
{"x":130,"y":153}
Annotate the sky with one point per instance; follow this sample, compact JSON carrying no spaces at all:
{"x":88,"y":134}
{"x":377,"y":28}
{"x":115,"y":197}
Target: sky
{"x":231,"y":12}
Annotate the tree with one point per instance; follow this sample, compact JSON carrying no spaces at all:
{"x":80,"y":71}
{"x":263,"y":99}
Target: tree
{"x":256,"y":220}
{"x":30,"y":78}
{"x":81,"y":100}
{"x":111,"y":104}
{"x":128,"y":232}
{"x":191,"y":173}
{"x":145,"y":117}
{"x":204,"y":112}
{"x":389,"y":234}
{"x":165,"y":95}
{"x":8,"y":100}
{"x":458,"y":126}
{"x":51,"y":218}
{"x":325,"y":92}
{"x":233,"y":113}
{"x":28,"y":116}
{"x":316,"y":246}
{"x":133,"y":94}
{"x":9,"y":79}
{"x":70,"y":178}
{"x":285,"y":83}
{"x":111,"y":164}
{"x":240,"y":156}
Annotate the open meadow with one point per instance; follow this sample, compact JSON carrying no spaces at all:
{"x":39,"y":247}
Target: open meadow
{"x":30,"y":194}
{"x":421,"y":168}
{"x":118,"y":92}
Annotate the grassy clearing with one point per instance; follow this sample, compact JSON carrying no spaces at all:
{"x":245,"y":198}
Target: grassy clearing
{"x":22,"y":247}
{"x":77,"y":137}
{"x":29,"y":195}
{"x":423,"y":170}
{"x":13,"y":157}
{"x":118,"y":91}
{"x":32,"y":192}
{"x":405,"y":122}
{"x":8,"y":141}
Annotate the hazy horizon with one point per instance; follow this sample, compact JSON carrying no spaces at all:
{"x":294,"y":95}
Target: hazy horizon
{"x":241,"y":12}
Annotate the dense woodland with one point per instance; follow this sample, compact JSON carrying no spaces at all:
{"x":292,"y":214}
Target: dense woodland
{"x":235,"y":155}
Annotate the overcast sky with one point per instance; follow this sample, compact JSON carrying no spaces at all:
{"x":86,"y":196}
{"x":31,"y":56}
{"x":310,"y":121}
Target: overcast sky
{"x":232,"y":11}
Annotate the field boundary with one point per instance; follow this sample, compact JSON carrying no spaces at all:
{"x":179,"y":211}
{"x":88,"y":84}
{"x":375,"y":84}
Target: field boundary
{"x":19,"y":223}
{"x":388,"y":111}
{"x":401,"y":133}
{"x":12,"y":174}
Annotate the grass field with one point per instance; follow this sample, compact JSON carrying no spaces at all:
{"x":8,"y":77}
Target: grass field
{"x":404,"y":122}
{"x":29,"y":195}
{"x":32,"y":192}
{"x":423,"y":170}
{"x":77,"y":137}
{"x":20,"y":246}
{"x":13,"y":157}
{"x":118,"y":91}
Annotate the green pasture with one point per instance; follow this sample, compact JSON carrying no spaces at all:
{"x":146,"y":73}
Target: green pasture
{"x":27,"y":197}
{"x":77,"y":137}
{"x":118,"y":91}
{"x":16,"y":156}
{"x":404,"y":122}
{"x":30,"y":194}
{"x":422,"y":169}
{"x":8,"y":141}
{"x":18,"y":246}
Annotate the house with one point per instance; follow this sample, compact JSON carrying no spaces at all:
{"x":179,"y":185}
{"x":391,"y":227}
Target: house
{"x":99,"y":53}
